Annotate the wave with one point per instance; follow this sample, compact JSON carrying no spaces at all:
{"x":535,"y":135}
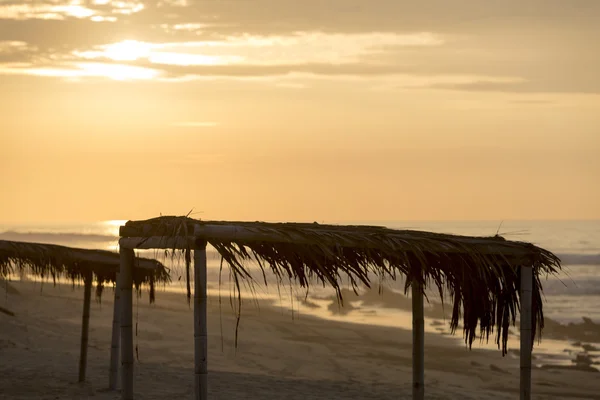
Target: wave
{"x":52,"y":237}
{"x":579,"y":259}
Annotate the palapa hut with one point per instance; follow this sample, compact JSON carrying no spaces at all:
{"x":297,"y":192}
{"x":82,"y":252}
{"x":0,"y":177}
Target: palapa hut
{"x":488,"y":279}
{"x":53,"y":261}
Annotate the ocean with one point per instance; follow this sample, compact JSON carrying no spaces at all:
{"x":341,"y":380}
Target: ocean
{"x":569,"y":297}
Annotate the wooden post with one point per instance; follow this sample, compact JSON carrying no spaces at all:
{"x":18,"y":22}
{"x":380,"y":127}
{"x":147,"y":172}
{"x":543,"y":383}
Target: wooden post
{"x":418,"y":342}
{"x":526,"y":345}
{"x":200,"y":329}
{"x":126,"y":324}
{"x":85,"y":324}
{"x":113,"y":379}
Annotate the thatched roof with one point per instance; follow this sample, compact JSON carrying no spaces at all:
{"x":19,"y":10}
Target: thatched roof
{"x":481,"y":275}
{"x":54,"y":261}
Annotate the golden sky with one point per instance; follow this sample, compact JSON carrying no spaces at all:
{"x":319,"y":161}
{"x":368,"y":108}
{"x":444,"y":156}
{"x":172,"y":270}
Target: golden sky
{"x":299,"y":110}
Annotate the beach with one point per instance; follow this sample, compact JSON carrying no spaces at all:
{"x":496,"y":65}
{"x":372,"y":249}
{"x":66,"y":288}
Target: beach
{"x":280,"y":354}
{"x":402,"y":196}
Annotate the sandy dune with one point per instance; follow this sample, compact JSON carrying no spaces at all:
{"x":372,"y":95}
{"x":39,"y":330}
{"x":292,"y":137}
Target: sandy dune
{"x":277,"y":358}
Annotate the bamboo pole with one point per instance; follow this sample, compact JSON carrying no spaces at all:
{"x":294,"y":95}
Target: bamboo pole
{"x":113,"y":379}
{"x":85,"y":324}
{"x":526,"y":339}
{"x":200,"y":328}
{"x":127,"y":257}
{"x":418,"y":323}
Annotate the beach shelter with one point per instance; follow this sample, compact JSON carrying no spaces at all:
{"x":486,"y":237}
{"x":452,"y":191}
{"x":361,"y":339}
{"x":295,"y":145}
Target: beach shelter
{"x":53,"y":261}
{"x":488,"y":279}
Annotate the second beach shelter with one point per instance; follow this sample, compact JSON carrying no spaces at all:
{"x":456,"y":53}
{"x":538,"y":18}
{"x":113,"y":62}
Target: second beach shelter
{"x":488,"y":279}
{"x":54,"y":261}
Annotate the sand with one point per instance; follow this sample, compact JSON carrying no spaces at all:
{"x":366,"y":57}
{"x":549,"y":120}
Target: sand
{"x":277,"y":357}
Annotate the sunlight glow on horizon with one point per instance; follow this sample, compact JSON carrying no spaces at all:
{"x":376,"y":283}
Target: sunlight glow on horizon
{"x":113,"y":226}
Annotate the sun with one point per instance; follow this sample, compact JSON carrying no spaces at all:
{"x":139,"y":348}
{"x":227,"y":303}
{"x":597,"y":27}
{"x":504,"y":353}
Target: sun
{"x":127,"y":50}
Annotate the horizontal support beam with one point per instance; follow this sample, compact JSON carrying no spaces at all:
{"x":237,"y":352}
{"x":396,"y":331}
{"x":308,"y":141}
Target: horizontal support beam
{"x":402,"y":240}
{"x":224,"y":233}
{"x":157,"y":242}
{"x":156,"y":230}
{"x":234,"y":233}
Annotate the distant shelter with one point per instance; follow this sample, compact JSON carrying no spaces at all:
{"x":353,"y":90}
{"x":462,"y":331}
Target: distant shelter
{"x":49,"y":261}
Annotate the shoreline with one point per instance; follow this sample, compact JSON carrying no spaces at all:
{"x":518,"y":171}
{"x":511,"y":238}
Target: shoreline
{"x":571,"y":345}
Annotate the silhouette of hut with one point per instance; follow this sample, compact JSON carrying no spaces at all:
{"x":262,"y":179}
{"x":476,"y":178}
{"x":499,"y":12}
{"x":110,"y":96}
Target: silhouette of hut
{"x":53,"y":261}
{"x":488,"y":279}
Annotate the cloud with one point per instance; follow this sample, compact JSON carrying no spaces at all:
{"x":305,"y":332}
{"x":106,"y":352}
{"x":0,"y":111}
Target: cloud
{"x":77,"y":71}
{"x":300,"y":48}
{"x":246,"y":55}
{"x":276,"y":17}
{"x":386,"y":77}
{"x":533,"y":102}
{"x":541,"y":46}
{"x":576,"y":85}
{"x":174,"y":3}
{"x":12,"y":51}
{"x":98,"y":10}
{"x":44,"y":11}
{"x":291,"y":85}
{"x":12,"y":46}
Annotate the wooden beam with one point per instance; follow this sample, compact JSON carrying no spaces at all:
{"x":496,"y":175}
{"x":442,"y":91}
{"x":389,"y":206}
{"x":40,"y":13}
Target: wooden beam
{"x":127,"y":257}
{"x":418,"y":354}
{"x":148,"y":230}
{"x":85,"y":324}
{"x":135,"y":237}
{"x":157,"y":242}
{"x":113,"y":379}
{"x":200,"y":324}
{"x":526,"y":339}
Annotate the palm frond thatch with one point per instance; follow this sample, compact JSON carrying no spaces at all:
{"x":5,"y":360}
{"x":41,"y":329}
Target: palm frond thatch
{"x":54,"y":261}
{"x":480,"y":275}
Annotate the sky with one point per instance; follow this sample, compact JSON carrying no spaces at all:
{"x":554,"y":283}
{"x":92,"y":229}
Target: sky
{"x":299,"y":110}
